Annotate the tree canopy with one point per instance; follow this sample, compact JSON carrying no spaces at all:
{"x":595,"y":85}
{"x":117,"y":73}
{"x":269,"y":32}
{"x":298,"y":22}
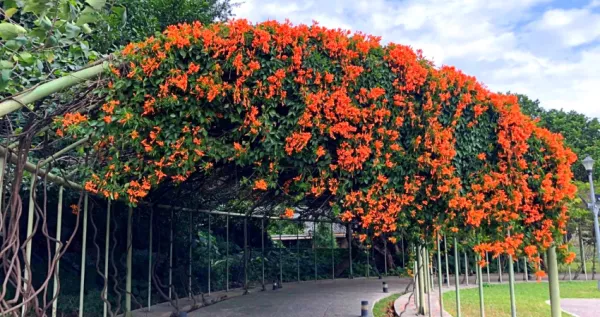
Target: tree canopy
{"x":375,"y":133}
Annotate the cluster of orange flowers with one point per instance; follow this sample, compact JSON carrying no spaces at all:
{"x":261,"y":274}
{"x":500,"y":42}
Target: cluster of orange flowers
{"x":389,"y":140}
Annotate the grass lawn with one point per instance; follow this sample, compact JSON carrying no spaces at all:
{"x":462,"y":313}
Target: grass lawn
{"x":530,"y":298}
{"x":380,"y":308}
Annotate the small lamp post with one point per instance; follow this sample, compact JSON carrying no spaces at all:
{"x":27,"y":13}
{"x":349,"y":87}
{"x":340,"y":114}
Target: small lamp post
{"x":588,"y":163}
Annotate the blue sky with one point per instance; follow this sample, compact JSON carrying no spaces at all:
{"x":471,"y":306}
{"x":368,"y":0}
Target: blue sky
{"x":549,"y":50}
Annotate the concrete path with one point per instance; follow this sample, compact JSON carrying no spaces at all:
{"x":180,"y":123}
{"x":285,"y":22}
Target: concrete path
{"x":581,"y":307}
{"x":323,"y":298}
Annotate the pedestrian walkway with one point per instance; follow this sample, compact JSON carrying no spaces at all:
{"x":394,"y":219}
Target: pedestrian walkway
{"x":581,"y":307}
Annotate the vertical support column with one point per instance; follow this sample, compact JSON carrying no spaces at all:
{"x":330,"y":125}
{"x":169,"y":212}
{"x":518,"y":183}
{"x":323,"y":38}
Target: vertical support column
{"x":553,"y":283}
{"x":385,"y":258}
{"x":128,"y":263}
{"x":439,"y":275}
{"x":262,"y":249}
{"x":511,"y":286}
{"x":466,"y":268}
{"x":58,"y":243}
{"x":227,"y":251}
{"x":487,"y":267}
{"x":428,"y":279}
{"x":246,"y":253}
{"x":333,"y":242}
{"x":420,"y":280}
{"x":349,"y":233}
{"x":368,"y":255}
{"x":314,"y":240}
{"x":26,"y":273}
{"x":171,"y":256}
{"x":456,"y":278}
{"x":190,"y":256}
{"x":500,"y":268}
{"x":525,"y":273}
{"x":582,"y":251}
{"x":297,"y":256}
{"x":416,"y":277}
{"x":209,"y":251}
{"x":480,"y":285}
{"x":402,"y":245}
{"x":280,"y":250}
{"x":83,"y":253}
{"x":150,"y":260}
{"x":447,"y":262}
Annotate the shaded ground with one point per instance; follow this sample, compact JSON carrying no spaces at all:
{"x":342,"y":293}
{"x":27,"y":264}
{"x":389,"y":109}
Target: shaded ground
{"x":324,"y":298}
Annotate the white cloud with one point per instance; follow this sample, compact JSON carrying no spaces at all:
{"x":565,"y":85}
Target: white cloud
{"x":527,"y":46}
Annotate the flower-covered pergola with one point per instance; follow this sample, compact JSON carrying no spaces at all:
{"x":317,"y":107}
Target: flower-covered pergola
{"x":375,"y":133}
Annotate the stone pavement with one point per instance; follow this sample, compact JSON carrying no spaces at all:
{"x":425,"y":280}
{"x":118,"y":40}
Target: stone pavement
{"x":581,"y":307}
{"x":326,"y":298}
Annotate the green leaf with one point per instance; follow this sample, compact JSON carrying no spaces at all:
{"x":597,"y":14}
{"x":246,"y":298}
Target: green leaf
{"x":9,"y":13}
{"x":26,"y":57}
{"x":4,"y":64}
{"x":96,"y":4}
{"x":9,"y":31}
{"x":88,"y":15}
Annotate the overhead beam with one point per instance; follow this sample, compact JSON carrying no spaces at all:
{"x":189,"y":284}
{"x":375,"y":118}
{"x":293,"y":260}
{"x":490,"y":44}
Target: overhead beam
{"x":14,"y":103}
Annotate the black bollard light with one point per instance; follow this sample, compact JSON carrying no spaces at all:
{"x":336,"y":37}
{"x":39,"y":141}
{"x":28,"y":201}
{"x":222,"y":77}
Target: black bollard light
{"x":364,"y":308}
{"x":275,"y":285}
{"x":385,"y":287}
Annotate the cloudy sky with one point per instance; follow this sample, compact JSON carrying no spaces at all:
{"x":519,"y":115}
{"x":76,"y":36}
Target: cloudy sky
{"x":549,"y":50}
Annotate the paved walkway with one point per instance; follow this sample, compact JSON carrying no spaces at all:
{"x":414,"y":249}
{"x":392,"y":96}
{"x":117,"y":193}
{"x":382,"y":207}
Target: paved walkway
{"x":581,"y":307}
{"x":323,"y":298}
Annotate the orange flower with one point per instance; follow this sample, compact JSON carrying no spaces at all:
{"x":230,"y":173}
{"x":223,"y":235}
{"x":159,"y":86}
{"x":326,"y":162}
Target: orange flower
{"x":288,"y":213}
{"x":260,"y":184}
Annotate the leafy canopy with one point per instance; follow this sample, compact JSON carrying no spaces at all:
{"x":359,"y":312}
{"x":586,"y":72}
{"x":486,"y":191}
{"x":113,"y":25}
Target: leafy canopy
{"x":377,"y":133}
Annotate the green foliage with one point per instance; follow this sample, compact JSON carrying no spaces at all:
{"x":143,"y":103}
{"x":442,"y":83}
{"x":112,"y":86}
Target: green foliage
{"x":381,"y":308}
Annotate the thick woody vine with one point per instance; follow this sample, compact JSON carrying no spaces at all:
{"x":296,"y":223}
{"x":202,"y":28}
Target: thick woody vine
{"x":376,"y":132}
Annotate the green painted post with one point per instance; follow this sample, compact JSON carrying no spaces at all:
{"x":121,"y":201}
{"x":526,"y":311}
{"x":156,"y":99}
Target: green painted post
{"x":280,"y":263}
{"x":447,"y":262}
{"x":150,"y":261}
{"x":384,"y":255}
{"x":367,"y":267}
{"x":349,"y":232}
{"x":487,"y":267}
{"x":480,"y":286}
{"x":245,"y":254}
{"x":83,"y":253}
{"x":314,"y":244}
{"x":332,"y":250}
{"x":500,"y":268}
{"x":58,"y":243}
{"x":209,"y":252}
{"x":297,"y":256}
{"x":128,"y":263}
{"x":439,"y":275}
{"x":420,"y":279}
{"x":262,"y":250}
{"x":402,"y":245}
{"x":582,"y":251}
{"x":171,"y":256}
{"x":456,"y":278}
{"x":511,"y":286}
{"x":553,"y":282}
{"x":525,"y":274}
{"x":466,"y":268}
{"x":262,"y":237}
{"x":428,"y":275}
{"x":190,"y":257}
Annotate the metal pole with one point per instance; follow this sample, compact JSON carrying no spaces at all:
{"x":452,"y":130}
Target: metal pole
{"x":367,"y":267}
{"x":447,"y":263}
{"x":262,"y":248}
{"x":190,"y":257}
{"x":553,"y":283}
{"x":150,"y":261}
{"x":106,"y":255}
{"x":227,"y":252}
{"x":428,"y":275}
{"x":246,"y":253}
{"x":333,"y":242}
{"x":58,"y":243}
{"x":83,"y":253}
{"x":439,"y":274}
{"x":402,"y":245}
{"x":456,"y":278}
{"x":487,"y":267}
{"x":349,"y":232}
{"x":480,"y":286}
{"x":280,"y":250}
{"x":582,"y":251}
{"x":385,"y":255}
{"x":594,"y":211}
{"x":500,"y":268}
{"x":171,"y":256}
{"x":314,"y":240}
{"x":26,"y":273}
{"x":420,"y":280}
{"x":416,"y":278}
{"x":209,"y":252}
{"x":297,"y":256}
{"x":129,"y":258}
{"x":466,"y":269}
{"x":525,"y":273}
{"x":511,"y":286}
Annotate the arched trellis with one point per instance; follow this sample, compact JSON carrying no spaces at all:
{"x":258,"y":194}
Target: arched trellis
{"x":422,"y":261}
